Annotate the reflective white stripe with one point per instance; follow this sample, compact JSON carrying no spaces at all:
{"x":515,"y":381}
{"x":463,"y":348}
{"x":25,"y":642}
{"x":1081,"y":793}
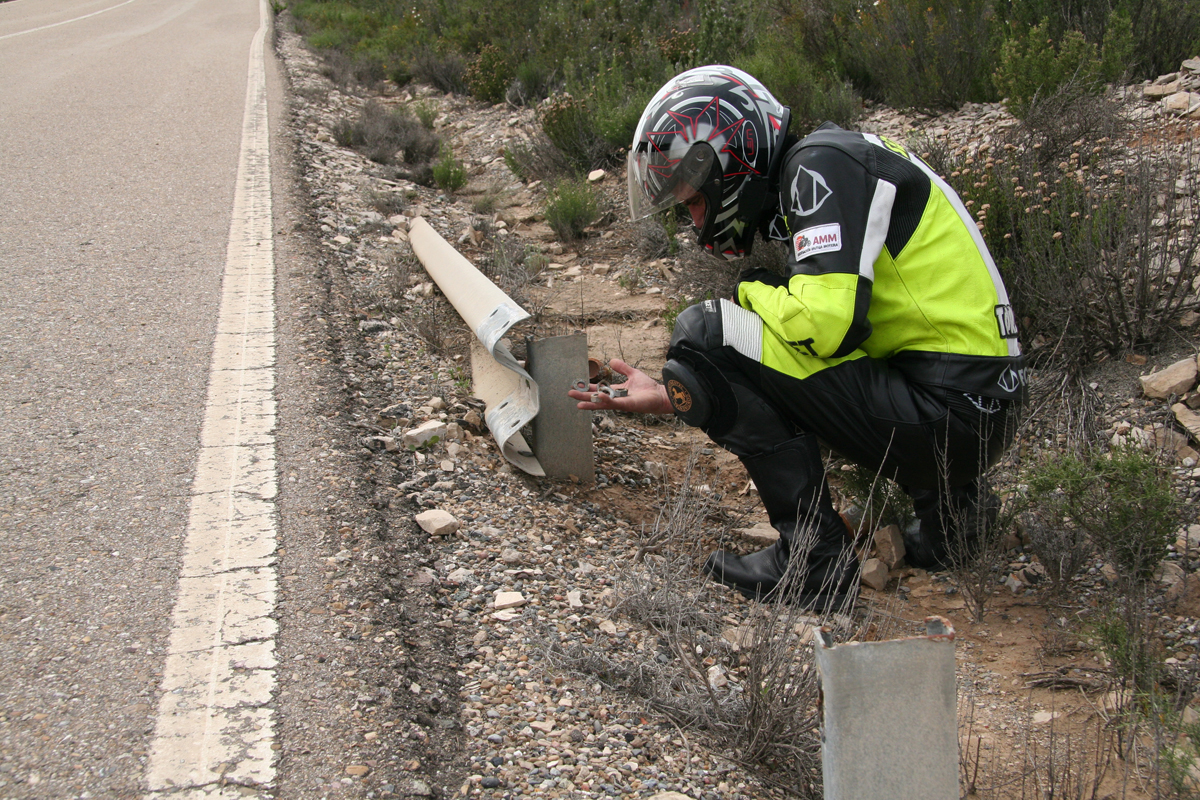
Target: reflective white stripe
{"x":65,"y":21}
{"x":1014,"y":348}
{"x":742,"y":330}
{"x":215,"y":728}
{"x":877,"y":228}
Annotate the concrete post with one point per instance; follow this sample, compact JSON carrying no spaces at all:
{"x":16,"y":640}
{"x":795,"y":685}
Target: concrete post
{"x":889,"y":729}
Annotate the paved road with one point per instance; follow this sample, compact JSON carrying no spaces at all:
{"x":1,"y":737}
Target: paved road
{"x":121,"y":124}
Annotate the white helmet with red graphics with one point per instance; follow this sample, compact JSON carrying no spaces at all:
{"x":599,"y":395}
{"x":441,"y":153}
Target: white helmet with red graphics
{"x":712,"y":133}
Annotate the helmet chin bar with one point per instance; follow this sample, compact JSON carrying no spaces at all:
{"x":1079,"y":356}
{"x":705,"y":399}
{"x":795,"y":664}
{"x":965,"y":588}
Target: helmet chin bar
{"x":738,"y":243}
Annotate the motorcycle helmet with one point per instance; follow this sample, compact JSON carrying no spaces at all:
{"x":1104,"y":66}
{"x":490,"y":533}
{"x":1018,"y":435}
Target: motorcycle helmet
{"x":714,"y":133}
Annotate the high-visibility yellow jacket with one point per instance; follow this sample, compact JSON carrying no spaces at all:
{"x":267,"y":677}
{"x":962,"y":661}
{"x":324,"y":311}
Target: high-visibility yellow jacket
{"x":886,"y":263}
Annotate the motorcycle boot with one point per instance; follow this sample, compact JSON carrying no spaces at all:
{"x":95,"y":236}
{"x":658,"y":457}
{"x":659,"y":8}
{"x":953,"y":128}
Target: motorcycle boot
{"x":950,"y":525}
{"x":811,"y":564}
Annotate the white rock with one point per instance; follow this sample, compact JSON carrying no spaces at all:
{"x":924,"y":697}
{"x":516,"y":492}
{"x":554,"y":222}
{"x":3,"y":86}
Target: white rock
{"x":716,"y":677}
{"x":505,"y":600}
{"x":1181,"y":102}
{"x":875,"y":574}
{"x":460,"y":575}
{"x":1157,"y":91}
{"x":608,"y":626}
{"x":1188,"y":419}
{"x":1174,"y":380}
{"x":1169,"y":573}
{"x":762,"y":533}
{"x":741,"y":636}
{"x":437,"y":522}
{"x":596,"y":175}
{"x":575,"y":598}
{"x":426,"y":433}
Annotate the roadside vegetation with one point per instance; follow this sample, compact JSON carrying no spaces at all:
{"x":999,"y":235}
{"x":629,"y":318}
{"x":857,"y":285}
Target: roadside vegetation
{"x":1095,"y":239}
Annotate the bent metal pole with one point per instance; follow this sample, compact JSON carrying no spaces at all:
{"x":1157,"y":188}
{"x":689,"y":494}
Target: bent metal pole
{"x":489,"y":313}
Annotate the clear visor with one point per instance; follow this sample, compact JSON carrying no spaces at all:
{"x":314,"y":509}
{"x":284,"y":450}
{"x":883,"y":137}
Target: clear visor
{"x":657,"y":181}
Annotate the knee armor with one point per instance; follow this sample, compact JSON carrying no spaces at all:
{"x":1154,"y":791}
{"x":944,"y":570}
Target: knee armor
{"x":692,"y":397}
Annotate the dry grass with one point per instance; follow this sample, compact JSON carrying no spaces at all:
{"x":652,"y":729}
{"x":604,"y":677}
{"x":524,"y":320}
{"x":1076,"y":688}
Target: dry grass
{"x":742,"y":673}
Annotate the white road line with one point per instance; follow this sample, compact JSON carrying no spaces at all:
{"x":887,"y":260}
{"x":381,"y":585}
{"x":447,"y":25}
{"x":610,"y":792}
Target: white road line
{"x":215,"y":728}
{"x":65,"y":21}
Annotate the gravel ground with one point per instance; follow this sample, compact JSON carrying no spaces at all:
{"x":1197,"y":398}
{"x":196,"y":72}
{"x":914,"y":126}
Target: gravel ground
{"x":489,"y":659}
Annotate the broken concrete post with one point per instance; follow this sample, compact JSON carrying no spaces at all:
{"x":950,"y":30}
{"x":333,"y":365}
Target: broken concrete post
{"x":562,"y":434}
{"x":888,"y":719}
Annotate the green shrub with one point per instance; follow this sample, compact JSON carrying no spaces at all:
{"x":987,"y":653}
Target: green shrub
{"x":380,"y":134}
{"x":425,"y":111}
{"x":614,"y":105}
{"x":570,"y":126}
{"x":1032,"y":64}
{"x":448,"y":172}
{"x":537,"y":160}
{"x":530,"y":84}
{"x":1123,"y":500}
{"x":570,"y":207}
{"x":928,"y":54}
{"x":489,"y":75}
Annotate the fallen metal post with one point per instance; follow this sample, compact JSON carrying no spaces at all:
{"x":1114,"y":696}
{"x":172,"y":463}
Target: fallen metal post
{"x":888,"y":729}
{"x":510,"y":393}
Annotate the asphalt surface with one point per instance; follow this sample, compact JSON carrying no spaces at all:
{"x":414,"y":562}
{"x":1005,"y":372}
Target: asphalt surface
{"x":120,"y":126}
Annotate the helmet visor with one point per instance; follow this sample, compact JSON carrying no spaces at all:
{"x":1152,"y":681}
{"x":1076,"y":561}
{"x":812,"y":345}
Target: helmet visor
{"x":658,"y":181}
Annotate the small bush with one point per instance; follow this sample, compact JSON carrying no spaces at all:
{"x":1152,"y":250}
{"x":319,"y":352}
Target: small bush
{"x":656,"y":235}
{"x":813,"y":94}
{"x":1163,"y":32}
{"x":530,"y":85}
{"x":1032,"y":65}
{"x":448,"y":172}
{"x":425,"y":111}
{"x":1123,"y":500}
{"x":570,"y":126}
{"x":486,"y":203}
{"x":387,"y":202}
{"x":537,"y":160}
{"x":489,"y":75}
{"x":511,"y":266}
{"x":570,"y":207}
{"x":380,"y":134}
{"x":347,"y":71}
{"x":444,"y":71}
{"x":882,"y":501}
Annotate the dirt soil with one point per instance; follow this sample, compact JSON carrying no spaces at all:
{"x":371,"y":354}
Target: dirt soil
{"x":1029,"y":682}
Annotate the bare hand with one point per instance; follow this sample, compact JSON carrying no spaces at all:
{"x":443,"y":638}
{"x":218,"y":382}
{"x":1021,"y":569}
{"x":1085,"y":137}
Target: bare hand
{"x":645,"y":395}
